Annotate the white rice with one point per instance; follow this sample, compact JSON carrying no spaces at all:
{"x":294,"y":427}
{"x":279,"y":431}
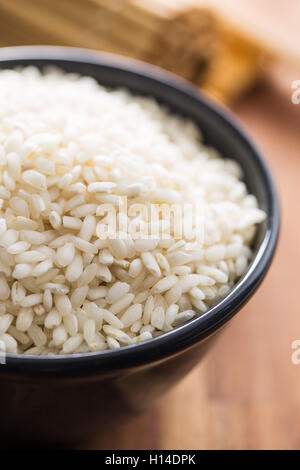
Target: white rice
{"x":68,"y":149}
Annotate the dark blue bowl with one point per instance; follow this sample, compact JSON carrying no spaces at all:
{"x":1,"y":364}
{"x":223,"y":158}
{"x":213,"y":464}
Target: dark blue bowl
{"x":66,"y":397}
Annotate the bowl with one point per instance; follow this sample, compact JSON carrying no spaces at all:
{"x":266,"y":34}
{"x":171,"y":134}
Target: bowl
{"x":64,"y":398}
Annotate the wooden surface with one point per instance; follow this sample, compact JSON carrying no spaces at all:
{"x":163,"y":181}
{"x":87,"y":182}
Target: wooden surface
{"x":246,"y":394}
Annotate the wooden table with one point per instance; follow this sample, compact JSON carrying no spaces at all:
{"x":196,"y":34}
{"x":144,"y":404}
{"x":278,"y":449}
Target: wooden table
{"x":246,"y":394}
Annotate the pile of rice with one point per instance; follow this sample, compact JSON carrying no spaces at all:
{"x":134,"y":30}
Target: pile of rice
{"x":69,"y":146}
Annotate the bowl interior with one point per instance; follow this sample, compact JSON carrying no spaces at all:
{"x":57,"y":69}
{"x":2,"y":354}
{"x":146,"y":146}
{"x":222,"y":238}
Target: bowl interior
{"x":170,"y":91}
{"x":219,"y":130}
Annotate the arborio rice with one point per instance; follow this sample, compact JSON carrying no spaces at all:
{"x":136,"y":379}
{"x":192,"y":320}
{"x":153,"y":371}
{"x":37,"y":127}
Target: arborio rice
{"x":69,"y":149}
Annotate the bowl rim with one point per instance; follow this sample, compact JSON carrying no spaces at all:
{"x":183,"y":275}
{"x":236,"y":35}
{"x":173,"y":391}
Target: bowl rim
{"x":174,"y":342}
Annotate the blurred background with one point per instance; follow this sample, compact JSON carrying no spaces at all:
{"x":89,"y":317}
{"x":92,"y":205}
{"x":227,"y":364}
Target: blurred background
{"x":246,"y":55}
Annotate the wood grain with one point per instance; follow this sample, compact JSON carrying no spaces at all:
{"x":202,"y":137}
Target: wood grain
{"x":245,"y":395}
